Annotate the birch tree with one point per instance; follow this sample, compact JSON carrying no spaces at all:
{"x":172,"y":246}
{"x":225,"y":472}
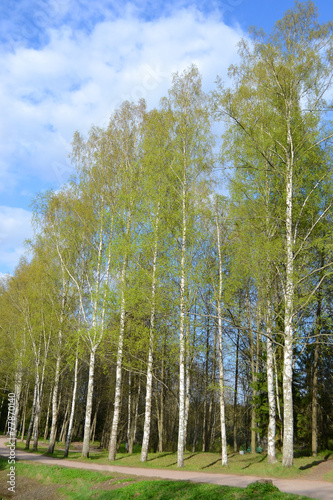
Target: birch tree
{"x":280,"y":87}
{"x":192,"y":142}
{"x":125,"y":132}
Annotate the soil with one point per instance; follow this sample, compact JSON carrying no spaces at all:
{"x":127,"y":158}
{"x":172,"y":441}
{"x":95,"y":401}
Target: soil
{"x":28,"y":489}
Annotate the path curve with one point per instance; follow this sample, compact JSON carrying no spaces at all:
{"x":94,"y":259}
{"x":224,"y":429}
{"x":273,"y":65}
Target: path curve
{"x":320,"y":490}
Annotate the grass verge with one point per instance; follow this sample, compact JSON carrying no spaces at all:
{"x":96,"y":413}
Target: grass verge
{"x":250,"y":465}
{"x":76,"y":484}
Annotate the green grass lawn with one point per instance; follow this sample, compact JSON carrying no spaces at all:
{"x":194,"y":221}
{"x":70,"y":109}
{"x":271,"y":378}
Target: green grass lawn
{"x":75,"y":484}
{"x":255,"y":465}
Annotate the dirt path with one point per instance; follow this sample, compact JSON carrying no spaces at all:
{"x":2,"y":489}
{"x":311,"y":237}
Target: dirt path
{"x":315,"y":489}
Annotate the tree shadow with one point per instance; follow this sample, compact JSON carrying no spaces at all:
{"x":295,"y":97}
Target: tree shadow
{"x":313,"y":464}
{"x":255,"y":463}
{"x":213,"y":463}
{"x":162,"y":455}
{"x":187,"y":458}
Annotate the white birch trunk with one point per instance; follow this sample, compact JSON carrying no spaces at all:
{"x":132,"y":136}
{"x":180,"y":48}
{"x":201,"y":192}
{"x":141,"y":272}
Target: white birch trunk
{"x":129,"y":408}
{"x":18,"y":390}
{"x":271,"y":453}
{"x":187,"y":397}
{"x":117,"y":397}
{"x":24,"y":413}
{"x":277,"y":392}
{"x":71,"y":418}
{"x":39,"y":396}
{"x":288,"y":421}
{"x":32,"y":418}
{"x":87,"y":422}
{"x":220,"y":343}
{"x":149,"y":384}
{"x":181,"y":428}
{"x":46,"y":431}
{"x":37,"y":412}
{"x":135,"y":423}
{"x":55,"y":402}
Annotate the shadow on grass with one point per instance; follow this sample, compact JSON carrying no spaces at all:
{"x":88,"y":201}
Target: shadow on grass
{"x":213,"y":463}
{"x":160,"y":456}
{"x":313,"y":464}
{"x":187,"y":458}
{"x":255,"y":463}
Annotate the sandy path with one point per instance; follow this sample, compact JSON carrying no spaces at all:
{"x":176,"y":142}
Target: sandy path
{"x":315,"y":489}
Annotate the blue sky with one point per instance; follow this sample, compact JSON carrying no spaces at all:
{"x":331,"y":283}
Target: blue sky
{"x":66,"y":64}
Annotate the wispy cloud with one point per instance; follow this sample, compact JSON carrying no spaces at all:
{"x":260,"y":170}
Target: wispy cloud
{"x":77,"y":63}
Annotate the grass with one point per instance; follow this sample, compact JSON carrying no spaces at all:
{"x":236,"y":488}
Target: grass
{"x":329,"y":476}
{"x":78,"y":484}
{"x":255,"y":465}
{"x":170,"y":490}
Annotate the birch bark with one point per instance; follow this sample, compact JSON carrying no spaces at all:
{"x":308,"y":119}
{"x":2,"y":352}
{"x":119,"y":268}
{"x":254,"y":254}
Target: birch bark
{"x":149,"y":384}
{"x":55,"y":402}
{"x":271,"y":454}
{"x":90,"y":391}
{"x":181,"y":428}
{"x":117,"y":397}
{"x":220,"y":344}
{"x":288,"y":421}
{"x":71,"y":418}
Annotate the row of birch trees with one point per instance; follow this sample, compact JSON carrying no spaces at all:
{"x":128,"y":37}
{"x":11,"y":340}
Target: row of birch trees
{"x":162,"y":298}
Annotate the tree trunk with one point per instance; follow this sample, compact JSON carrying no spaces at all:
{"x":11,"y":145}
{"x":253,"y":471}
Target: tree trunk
{"x":235,"y":396}
{"x":55,"y":402}
{"x":90,"y":392}
{"x":314,"y":423}
{"x":71,"y":418}
{"x":204,"y":423}
{"x":220,"y":344}
{"x":29,"y":433}
{"x":63,"y":432}
{"x":181,"y":426}
{"x":94,"y":424}
{"x":129,"y":408}
{"x":132,"y":436}
{"x":253,"y":376}
{"x":187,"y":397}
{"x":211,"y":410}
{"x":18,"y":390}
{"x":25,"y":404}
{"x":46,"y":431}
{"x":149,"y":384}
{"x":271,"y":454}
{"x":288,"y":420}
{"x":117,"y":396}
{"x":160,"y":423}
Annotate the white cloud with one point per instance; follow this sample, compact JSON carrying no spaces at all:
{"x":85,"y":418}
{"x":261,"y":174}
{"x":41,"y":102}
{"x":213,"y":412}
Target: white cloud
{"x":77,"y":77}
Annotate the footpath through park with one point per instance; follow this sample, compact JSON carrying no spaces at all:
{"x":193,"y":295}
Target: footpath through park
{"x":321,"y":490}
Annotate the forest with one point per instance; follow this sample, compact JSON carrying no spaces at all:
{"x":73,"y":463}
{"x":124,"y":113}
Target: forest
{"x":178,"y":294}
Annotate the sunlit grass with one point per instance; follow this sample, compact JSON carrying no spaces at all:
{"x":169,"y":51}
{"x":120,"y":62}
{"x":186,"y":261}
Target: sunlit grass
{"x":246,"y":464}
{"x":78,"y":484}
